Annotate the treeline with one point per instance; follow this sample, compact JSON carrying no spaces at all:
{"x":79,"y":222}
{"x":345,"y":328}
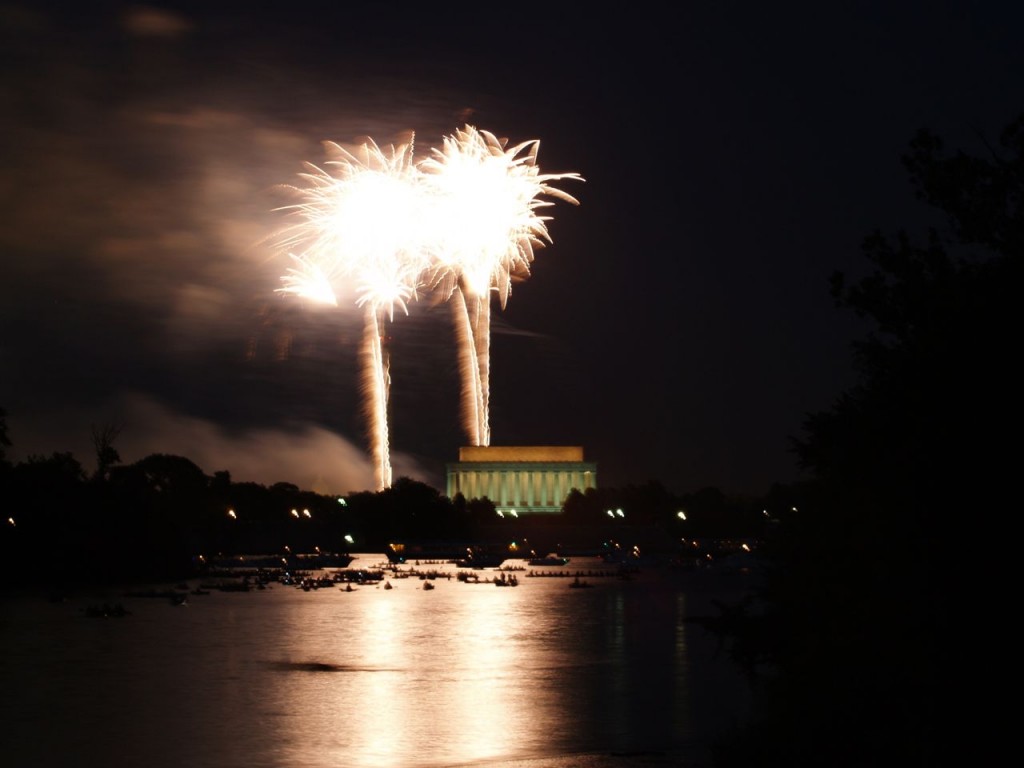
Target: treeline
{"x":154,"y":518}
{"x":857,"y":639}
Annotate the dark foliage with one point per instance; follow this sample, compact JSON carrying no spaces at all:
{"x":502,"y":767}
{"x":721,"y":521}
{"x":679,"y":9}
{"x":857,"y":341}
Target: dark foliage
{"x":851,"y":637}
{"x":5,"y":441}
{"x":149,"y":520}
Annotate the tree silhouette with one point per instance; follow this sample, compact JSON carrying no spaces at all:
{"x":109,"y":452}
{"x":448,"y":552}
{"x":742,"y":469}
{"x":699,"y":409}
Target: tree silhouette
{"x":103,"y":438}
{"x":5,"y":441}
{"x":852,"y":644}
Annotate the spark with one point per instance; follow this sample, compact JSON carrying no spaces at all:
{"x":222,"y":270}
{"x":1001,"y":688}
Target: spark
{"x":485,"y":202}
{"x":374,"y":227}
{"x":358,"y":234}
{"x":308,"y":281}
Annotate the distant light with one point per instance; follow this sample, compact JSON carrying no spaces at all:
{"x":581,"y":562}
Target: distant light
{"x":295,"y":513}
{"x":681,"y":515}
{"x":232,"y":515}
{"x":610,"y":513}
{"x":305,"y":512}
{"x":500,"y":513}
{"x":11,"y":521}
{"x":745,"y":547}
{"x":348,"y":538}
{"x":620,"y":513}
{"x":341,"y":500}
{"x":513,"y":513}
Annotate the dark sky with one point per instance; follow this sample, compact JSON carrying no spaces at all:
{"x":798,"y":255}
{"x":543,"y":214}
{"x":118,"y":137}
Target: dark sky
{"x":679,"y":327}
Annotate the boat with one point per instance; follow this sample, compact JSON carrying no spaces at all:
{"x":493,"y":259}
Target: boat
{"x":359,"y":576}
{"x":482,"y":557}
{"x":550,"y":559}
{"x":320,"y":560}
{"x":462,"y":554}
{"x":401,"y":552}
{"x":428,"y":585}
{"x":309,"y":561}
{"x":578,"y":584}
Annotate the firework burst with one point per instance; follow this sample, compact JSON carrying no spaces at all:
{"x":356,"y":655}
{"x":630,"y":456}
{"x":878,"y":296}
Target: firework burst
{"x":375,"y":226}
{"x":358,"y":235}
{"x":486,"y":200}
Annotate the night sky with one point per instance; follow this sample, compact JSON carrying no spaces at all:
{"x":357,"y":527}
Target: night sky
{"x":679,"y":327}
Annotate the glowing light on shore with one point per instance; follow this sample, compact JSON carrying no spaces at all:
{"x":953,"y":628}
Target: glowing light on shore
{"x":358,"y":234}
{"x":485,"y":224}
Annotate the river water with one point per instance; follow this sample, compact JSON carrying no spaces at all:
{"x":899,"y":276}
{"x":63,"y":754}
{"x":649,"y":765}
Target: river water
{"x":465,"y":674}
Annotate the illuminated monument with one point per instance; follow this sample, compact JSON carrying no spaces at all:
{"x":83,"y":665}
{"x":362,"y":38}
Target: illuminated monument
{"x":525,"y":479}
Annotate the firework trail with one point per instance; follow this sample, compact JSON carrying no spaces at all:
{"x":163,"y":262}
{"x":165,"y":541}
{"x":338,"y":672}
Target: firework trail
{"x":358,"y":234}
{"x":484,"y":225}
{"x":377,"y":225}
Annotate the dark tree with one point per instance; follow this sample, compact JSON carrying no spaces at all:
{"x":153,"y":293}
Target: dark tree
{"x":103,"y":443}
{"x":867,"y":580}
{"x":46,"y":517}
{"x":5,"y":441}
{"x":5,"y":465}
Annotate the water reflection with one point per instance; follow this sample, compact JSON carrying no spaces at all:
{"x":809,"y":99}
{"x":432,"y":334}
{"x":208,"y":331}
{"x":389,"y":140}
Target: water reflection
{"x":463,"y":674}
{"x":489,"y":659}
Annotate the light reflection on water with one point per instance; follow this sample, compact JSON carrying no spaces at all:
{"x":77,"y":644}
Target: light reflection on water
{"x":466,"y":674}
